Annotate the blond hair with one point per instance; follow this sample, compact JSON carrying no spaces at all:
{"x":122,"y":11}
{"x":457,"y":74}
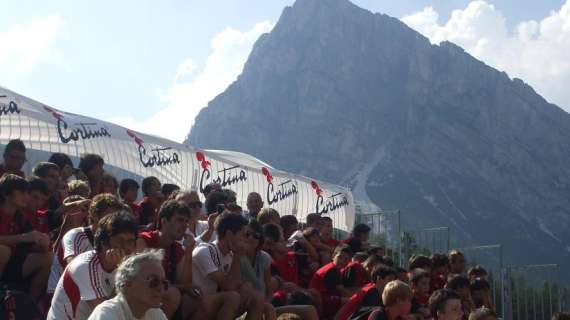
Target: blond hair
{"x":396,"y":291}
{"x":266,"y":214}
{"x":79,"y":187}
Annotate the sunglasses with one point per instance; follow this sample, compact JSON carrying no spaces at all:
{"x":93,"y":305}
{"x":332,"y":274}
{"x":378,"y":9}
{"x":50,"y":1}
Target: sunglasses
{"x":154,"y":283}
{"x":195,"y":205}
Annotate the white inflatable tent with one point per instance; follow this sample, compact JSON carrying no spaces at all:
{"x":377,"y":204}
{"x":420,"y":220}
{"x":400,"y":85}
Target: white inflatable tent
{"x":127,"y":153}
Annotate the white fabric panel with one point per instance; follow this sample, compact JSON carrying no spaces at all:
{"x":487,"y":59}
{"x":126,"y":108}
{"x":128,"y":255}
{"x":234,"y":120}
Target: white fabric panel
{"x":45,"y":129}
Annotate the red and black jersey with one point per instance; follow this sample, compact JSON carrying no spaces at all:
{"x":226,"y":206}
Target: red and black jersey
{"x":3,"y":170}
{"x":38,"y":220}
{"x":326,"y":279}
{"x":332,"y":242}
{"x":136,"y":209}
{"x":368,"y":296}
{"x":354,"y":275}
{"x":172,"y":255}
{"x":286,"y":268}
{"x":14,"y":225}
{"x":436,"y":283}
{"x":419,"y":302}
{"x":354,"y":244}
{"x":148,"y":211}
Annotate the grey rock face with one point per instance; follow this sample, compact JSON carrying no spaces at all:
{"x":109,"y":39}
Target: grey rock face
{"x":334,"y":88}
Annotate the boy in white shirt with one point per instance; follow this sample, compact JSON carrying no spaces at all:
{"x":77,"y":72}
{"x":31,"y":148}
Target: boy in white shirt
{"x":89,"y":279}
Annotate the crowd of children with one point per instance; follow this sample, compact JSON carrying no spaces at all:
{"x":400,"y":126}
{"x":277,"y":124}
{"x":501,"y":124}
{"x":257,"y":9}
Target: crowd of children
{"x":78,"y":243}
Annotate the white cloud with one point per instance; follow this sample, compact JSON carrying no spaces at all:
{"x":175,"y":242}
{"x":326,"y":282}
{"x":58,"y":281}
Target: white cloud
{"x":536,"y":51}
{"x":193,"y":89}
{"x":26,"y":45}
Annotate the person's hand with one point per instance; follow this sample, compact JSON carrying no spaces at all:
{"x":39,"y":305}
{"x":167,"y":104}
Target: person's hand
{"x":37,"y":238}
{"x":115,"y":256}
{"x":189,"y":242}
{"x":246,"y":292}
{"x":212,"y":220}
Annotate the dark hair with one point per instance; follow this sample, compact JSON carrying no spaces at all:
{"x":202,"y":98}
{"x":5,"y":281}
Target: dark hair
{"x":15,"y":144}
{"x":438,"y":300}
{"x":374,"y":250}
{"x":340,"y":249}
{"x":419,"y":261}
{"x":213,"y":200}
{"x":168,"y":188}
{"x":101,"y":203}
{"x":272,"y":231}
{"x":400,"y":270}
{"x":387,"y":261}
{"x":417,"y":275}
{"x":109,"y":177}
{"x":477,"y":271}
{"x":360,"y":229}
{"x":360,"y":256}
{"x":10,"y":183}
{"x":456,"y":282}
{"x":310,"y":232}
{"x":301,"y":298}
{"x":323,"y":219}
{"x":127,"y":184}
{"x":288,"y":220}
{"x":147,"y":182}
{"x":41,"y":169}
{"x":382,"y":272}
{"x":257,"y":230}
{"x":210,"y":187}
{"x":479,"y":284}
{"x":231,"y":196}
{"x":482,"y":313}
{"x":113,"y":224}
{"x":171,"y":207}
{"x":229,"y":222}
{"x":37,"y":184}
{"x":312,"y":218}
{"x":373,"y":259}
{"x":60,"y":159}
{"x":439,"y":260}
{"x":89,"y":161}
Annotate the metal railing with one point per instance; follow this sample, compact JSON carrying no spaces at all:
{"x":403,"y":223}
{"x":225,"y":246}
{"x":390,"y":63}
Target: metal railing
{"x":424,"y":241}
{"x":532,"y":292}
{"x":385,"y":231}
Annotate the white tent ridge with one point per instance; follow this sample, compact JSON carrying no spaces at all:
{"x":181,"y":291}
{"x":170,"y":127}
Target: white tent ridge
{"x":128,"y":153}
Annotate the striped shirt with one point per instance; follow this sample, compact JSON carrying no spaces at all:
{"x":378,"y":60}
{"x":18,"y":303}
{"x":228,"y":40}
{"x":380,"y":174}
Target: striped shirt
{"x":83,"y":280}
{"x":75,"y":242}
{"x":208,"y":258}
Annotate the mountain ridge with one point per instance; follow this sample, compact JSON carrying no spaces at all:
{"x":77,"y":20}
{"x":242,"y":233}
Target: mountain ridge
{"x":463,"y":144}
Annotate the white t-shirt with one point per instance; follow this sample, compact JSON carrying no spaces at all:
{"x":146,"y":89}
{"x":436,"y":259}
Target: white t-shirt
{"x":83,"y":280}
{"x":208,"y":258}
{"x":118,"y":309}
{"x":57,"y":266}
{"x":201,"y":227}
{"x":75,"y":242}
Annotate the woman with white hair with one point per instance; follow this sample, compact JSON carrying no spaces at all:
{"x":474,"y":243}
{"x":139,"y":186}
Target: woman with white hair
{"x":140,"y":283}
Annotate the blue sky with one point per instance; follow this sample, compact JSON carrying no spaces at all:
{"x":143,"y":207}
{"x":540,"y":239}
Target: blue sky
{"x":138,"y":63}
